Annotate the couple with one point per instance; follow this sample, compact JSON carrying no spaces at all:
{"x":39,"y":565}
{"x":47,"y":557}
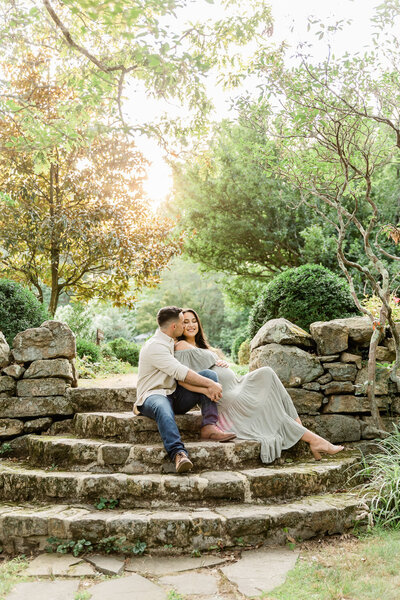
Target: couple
{"x":177,"y":370}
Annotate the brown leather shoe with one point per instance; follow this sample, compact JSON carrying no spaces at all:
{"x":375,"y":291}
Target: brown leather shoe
{"x":215,"y":434}
{"x":182,"y":463}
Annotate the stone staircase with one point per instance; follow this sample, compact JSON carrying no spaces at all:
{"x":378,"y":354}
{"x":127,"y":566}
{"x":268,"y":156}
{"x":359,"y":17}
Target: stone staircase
{"x":51,"y":484}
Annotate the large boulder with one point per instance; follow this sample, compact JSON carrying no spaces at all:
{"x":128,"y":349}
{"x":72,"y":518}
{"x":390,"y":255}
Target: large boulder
{"x":335,"y":336}
{"x":281,"y":331}
{"x":4,"y":352}
{"x":292,"y":365}
{"x":51,"y":340}
{"x":56,"y":367}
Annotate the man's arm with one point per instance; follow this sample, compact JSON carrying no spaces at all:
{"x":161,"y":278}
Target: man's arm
{"x":163,"y":360}
{"x":202,"y":385}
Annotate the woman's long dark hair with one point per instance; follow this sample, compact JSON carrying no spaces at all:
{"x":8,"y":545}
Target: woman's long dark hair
{"x":200,"y":337}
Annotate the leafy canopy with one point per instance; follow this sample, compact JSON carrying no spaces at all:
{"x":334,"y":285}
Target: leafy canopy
{"x":105,"y":48}
{"x":72,"y":214}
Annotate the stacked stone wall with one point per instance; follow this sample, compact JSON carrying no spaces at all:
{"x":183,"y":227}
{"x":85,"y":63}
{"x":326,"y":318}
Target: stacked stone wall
{"x":325,"y":373}
{"x":36,"y":375}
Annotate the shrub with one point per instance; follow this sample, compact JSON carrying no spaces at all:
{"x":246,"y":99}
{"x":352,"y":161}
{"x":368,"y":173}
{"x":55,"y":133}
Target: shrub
{"x":124,"y":350}
{"x":303,"y":295}
{"x":88,"y":349}
{"x":237,"y":342}
{"x":107,"y":352}
{"x":244,"y":353}
{"x":19,"y":309}
{"x":382,"y":492}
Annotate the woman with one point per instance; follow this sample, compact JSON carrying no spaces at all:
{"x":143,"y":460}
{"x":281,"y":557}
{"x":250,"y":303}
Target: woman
{"x":255,"y":406}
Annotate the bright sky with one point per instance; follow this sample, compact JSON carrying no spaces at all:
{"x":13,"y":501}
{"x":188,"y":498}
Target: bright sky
{"x":287,"y":14}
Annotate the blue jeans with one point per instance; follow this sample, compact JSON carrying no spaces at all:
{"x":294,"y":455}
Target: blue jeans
{"x":164,"y":408}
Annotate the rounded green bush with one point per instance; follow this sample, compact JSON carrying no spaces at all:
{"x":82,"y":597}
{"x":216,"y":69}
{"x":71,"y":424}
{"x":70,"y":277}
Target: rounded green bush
{"x":19,"y":309}
{"x":237,"y":342}
{"x":124,"y":350}
{"x":88,"y":349}
{"x":303,"y":295}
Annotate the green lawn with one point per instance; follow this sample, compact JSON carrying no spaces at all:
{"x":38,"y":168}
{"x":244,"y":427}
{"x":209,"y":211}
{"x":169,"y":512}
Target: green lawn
{"x":346,"y":569}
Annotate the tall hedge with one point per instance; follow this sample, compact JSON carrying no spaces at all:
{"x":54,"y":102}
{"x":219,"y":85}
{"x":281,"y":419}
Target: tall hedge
{"x":19,"y":309}
{"x":303,"y":295}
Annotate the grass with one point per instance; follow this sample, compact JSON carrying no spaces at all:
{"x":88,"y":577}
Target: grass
{"x":104,"y":368}
{"x":346,"y":569}
{"x":382,"y":471}
{"x":11,"y":573}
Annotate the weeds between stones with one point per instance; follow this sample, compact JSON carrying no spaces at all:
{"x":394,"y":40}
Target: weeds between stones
{"x":106,"y":545}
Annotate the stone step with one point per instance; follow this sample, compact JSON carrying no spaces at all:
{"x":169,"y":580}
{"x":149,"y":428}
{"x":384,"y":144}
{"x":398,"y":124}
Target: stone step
{"x":102,"y":456}
{"x":105,"y":399}
{"x":25,"y":528}
{"x":19,"y":483}
{"x":130,"y":428}
{"x":75,"y":400}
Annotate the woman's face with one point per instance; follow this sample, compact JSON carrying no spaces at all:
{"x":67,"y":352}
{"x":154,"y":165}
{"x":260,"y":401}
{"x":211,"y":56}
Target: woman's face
{"x":190,"y":325}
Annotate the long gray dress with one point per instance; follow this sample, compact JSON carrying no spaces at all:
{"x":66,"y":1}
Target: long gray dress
{"x":255,"y":406}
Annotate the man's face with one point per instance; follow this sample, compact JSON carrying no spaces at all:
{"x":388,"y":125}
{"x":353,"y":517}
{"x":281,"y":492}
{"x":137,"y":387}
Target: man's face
{"x":179,"y":326}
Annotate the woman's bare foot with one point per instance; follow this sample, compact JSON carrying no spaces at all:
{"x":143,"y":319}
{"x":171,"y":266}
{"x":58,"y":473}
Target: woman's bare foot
{"x":325,"y":448}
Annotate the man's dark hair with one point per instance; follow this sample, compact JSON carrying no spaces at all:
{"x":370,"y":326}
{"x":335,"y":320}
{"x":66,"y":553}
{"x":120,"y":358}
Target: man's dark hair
{"x":168,"y":313}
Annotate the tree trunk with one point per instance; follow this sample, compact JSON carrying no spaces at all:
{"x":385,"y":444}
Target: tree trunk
{"x":376,"y":417}
{"x":55,"y":250}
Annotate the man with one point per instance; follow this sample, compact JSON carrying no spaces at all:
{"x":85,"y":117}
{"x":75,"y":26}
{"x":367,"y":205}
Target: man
{"x":160,"y":398}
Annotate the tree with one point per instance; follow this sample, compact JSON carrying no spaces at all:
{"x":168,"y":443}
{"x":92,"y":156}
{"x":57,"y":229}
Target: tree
{"x":72,"y":214}
{"x":239,"y":218}
{"x":335,"y":138}
{"x":103,"y":46}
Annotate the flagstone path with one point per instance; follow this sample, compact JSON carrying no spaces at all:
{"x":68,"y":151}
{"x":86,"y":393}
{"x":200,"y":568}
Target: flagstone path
{"x":236,"y":576}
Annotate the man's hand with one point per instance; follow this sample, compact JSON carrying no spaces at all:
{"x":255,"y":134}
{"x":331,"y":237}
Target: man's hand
{"x":222,"y":363}
{"x":214,"y":391}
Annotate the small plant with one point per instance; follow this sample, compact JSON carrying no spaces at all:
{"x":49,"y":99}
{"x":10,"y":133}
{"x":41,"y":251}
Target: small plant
{"x":107,"y":545}
{"x":173,"y":595}
{"x":168,"y":546}
{"x":83,"y":595}
{"x":374,"y":304}
{"x":218,"y":546}
{"x":196,"y":553}
{"x":107,"y":503}
{"x":239,"y":541}
{"x":4,"y":448}
{"x":65,"y":546}
{"x":118,"y":544}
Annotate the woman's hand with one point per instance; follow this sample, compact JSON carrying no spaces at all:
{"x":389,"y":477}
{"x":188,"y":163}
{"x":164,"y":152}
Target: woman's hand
{"x":222,"y":363}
